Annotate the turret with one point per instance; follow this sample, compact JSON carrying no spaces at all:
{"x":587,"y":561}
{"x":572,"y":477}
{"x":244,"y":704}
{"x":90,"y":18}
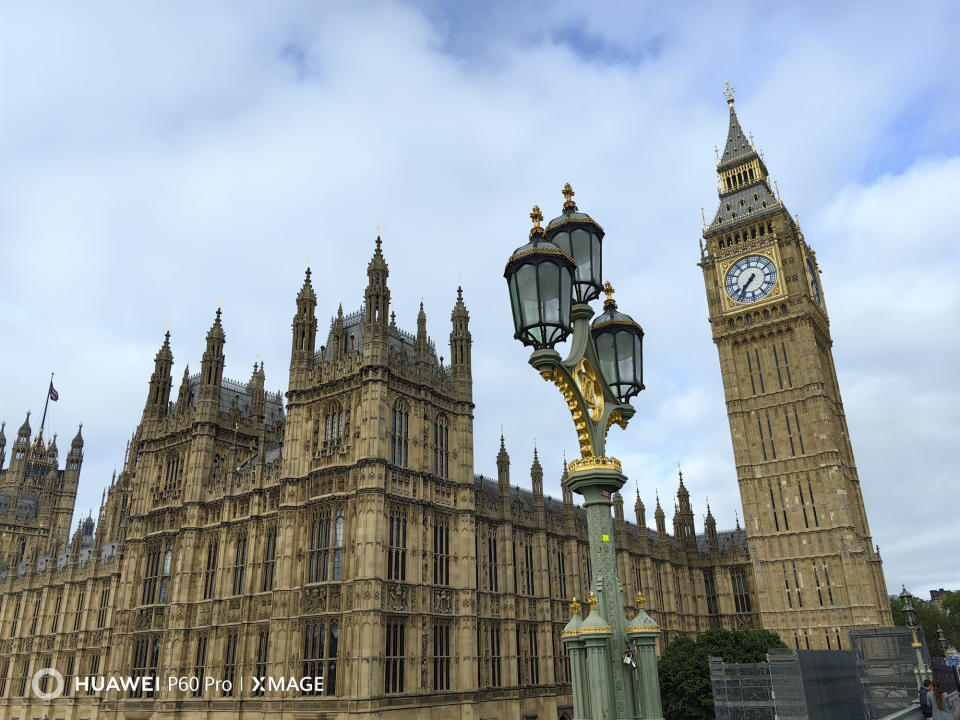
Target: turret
{"x":618,"y":510}
{"x":460,"y":340}
{"x":641,"y":514}
{"x":255,"y":389}
{"x":183,"y":398}
{"x":211,"y":368}
{"x":710,"y":525}
{"x":304,"y":328}
{"x":22,"y":444}
{"x":338,"y":337}
{"x":685,"y":530}
{"x":377,"y":306}
{"x":503,"y":473}
{"x":420,"y":347}
{"x":161,"y":381}
{"x":75,"y":456}
{"x":661,"y":521}
{"x":536,"y":483}
{"x":3,"y":443}
{"x":567,"y":498}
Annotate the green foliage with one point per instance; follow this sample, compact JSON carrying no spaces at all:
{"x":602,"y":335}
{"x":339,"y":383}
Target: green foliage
{"x":931,"y":617}
{"x":685,"y":674}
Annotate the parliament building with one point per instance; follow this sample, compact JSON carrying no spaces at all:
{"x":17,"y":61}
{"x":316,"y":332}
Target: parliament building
{"x":338,"y":543}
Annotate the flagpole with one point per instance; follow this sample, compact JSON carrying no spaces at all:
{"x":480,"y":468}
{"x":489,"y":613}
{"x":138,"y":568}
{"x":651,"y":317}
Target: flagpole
{"x":46,"y":404}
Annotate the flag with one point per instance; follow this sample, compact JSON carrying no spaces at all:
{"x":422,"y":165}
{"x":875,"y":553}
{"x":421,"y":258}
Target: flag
{"x":54,"y":395}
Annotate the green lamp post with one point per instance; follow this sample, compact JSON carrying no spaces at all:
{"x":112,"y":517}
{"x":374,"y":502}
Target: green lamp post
{"x":921,"y":671}
{"x":552,"y":280}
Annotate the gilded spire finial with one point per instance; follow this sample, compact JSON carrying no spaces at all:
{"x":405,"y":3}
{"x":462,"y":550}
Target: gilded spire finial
{"x":537,"y":218}
{"x":728,"y":91}
{"x":568,"y":194}
{"x":592,"y":601}
{"x":703,"y":217}
{"x":575,"y":606}
{"x":641,"y":600}
{"x":776,"y":186}
{"x":608,"y":291}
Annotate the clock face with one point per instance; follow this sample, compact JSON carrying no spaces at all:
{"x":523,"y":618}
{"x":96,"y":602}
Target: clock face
{"x":814,"y":283}
{"x":751,"y":278}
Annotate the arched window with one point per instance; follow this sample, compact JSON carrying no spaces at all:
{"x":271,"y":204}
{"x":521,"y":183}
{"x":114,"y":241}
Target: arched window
{"x":333,"y":425}
{"x":325,"y":560}
{"x":165,"y":574}
{"x":441,"y":447}
{"x":400,"y":434}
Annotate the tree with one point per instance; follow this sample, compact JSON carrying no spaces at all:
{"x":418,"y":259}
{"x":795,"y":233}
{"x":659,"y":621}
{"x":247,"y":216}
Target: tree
{"x":930,"y":617}
{"x":685,"y":673}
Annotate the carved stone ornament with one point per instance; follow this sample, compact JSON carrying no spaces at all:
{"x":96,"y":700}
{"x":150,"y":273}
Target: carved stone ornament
{"x":442,"y":602}
{"x":314,"y":600}
{"x":397,"y":597}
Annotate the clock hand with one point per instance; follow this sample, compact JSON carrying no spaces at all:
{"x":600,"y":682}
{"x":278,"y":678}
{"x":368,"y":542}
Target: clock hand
{"x":750,"y":280}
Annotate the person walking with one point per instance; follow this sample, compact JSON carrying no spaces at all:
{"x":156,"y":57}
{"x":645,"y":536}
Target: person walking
{"x":942,"y":705}
{"x":926,"y":698}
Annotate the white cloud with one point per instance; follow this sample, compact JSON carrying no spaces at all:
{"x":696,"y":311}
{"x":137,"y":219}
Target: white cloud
{"x":157,"y":158}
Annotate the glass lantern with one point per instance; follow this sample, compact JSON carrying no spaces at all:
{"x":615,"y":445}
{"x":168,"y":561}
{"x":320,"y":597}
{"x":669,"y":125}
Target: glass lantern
{"x":619,"y":341}
{"x":580,"y":236}
{"x":540,"y":277}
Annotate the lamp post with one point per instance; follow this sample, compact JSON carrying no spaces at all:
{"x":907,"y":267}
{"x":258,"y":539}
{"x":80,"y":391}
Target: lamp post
{"x":921,"y":671}
{"x":552,"y":280}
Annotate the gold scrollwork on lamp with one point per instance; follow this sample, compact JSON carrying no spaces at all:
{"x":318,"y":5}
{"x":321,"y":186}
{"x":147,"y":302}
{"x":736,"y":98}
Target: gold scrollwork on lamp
{"x":588,"y":382}
{"x":558,"y":378}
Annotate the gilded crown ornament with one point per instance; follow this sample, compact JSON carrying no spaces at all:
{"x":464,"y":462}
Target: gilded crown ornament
{"x":575,"y":606}
{"x":568,"y":194}
{"x":641,"y":600}
{"x":537,"y":218}
{"x":592,"y":601}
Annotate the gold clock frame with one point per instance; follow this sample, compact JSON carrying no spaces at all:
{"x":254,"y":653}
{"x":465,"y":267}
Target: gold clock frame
{"x":727,"y":303}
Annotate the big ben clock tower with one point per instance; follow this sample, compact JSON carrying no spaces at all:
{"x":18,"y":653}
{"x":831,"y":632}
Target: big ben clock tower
{"x":815,"y":567}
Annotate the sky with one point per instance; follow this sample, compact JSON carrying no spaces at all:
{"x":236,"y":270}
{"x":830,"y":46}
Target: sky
{"x":157,"y":157}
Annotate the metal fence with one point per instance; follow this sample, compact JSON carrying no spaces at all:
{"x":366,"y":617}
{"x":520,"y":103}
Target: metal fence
{"x":946,"y":674}
{"x":886,"y":664}
{"x":758,"y":691}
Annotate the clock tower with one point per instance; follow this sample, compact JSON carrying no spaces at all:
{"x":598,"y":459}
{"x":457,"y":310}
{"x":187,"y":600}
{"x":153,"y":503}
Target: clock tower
{"x":815,"y":566}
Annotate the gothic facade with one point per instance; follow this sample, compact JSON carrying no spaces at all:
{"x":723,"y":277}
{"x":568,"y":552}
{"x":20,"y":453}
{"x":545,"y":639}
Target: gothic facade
{"x":344,"y":534}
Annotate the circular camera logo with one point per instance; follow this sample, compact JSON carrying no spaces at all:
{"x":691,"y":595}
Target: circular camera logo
{"x":39,"y":682}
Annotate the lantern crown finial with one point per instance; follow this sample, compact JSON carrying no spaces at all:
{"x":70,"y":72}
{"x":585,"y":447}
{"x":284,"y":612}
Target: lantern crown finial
{"x":592,"y":601}
{"x":641,"y":600}
{"x":728,"y":91}
{"x":568,"y":194}
{"x":537,"y":218}
{"x":575,"y":606}
{"x":608,"y":291}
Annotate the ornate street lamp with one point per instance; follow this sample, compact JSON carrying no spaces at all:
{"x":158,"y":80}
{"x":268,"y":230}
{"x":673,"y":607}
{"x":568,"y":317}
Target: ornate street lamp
{"x":613,"y":659}
{"x":942,"y":637}
{"x":921,"y":671}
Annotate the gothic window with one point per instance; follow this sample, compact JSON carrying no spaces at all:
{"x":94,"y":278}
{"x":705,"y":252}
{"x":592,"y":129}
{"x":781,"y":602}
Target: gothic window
{"x":783,"y":506}
{"x":20,"y":677}
{"x":803,"y":505}
{"x":270,"y":559}
{"x":677,"y":589}
{"x":200,"y":663}
{"x":660,"y":606}
{"x":94,"y":670}
{"x":561,"y":573}
{"x":796,"y":584}
{"x":796,"y":417}
{"x":397,"y":544}
{"x":104,"y":607}
{"x":239,"y":563}
{"x":263,"y":644}
{"x":826,"y":575}
{"x":528,"y":656}
{"x":741,"y":593}
{"x":333,"y":425}
{"x":441,"y":447}
{"x":210,"y":572}
{"x":36,"y":617}
{"x":441,"y":551}
{"x":56,"y":612}
{"x":230,"y":663}
{"x":67,"y":676}
{"x":710,"y":589}
{"x":146,"y":656}
{"x":763,"y":446}
{"x":400,"y":435}
{"x":441,"y":655}
{"x":491,"y":575}
{"x":561,"y":663}
{"x":78,"y":612}
{"x":525,"y":585}
{"x":786,"y":583}
{"x":393,"y":656}
{"x":325,"y":561}
{"x":813,"y":503}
